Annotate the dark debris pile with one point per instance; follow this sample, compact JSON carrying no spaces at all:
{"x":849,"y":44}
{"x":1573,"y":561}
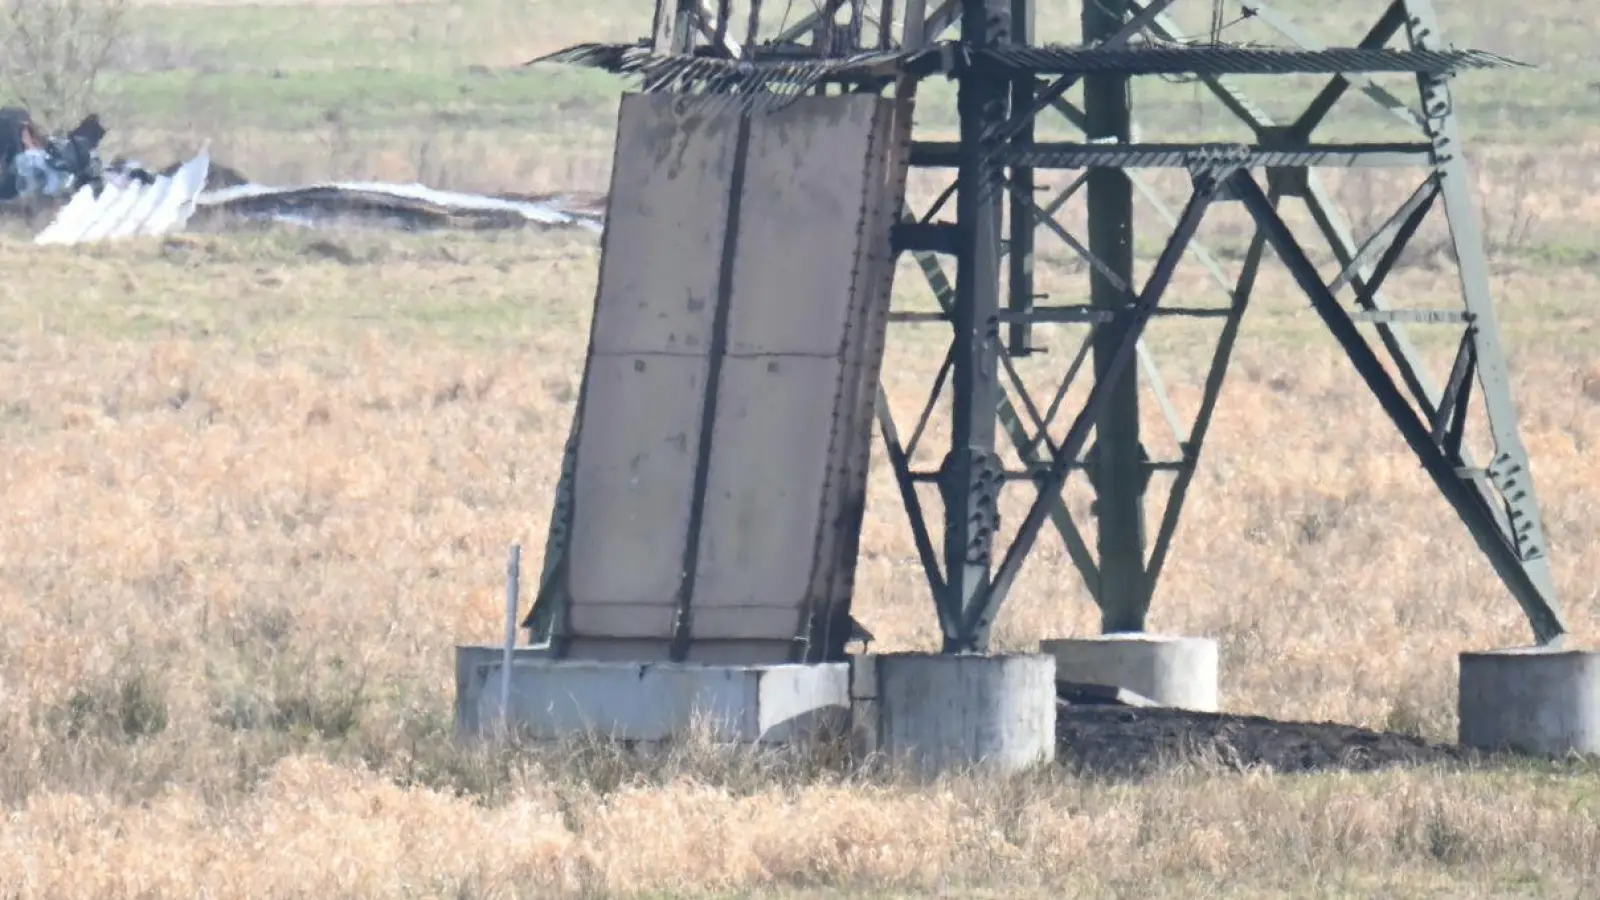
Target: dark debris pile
{"x":1124,"y":741}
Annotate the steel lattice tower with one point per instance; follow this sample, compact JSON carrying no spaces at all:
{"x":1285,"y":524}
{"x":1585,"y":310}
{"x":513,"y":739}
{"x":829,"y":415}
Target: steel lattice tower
{"x":1007,"y":77}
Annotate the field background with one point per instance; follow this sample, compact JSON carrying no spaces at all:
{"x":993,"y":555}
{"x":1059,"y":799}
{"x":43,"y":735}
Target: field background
{"x":257,"y":486}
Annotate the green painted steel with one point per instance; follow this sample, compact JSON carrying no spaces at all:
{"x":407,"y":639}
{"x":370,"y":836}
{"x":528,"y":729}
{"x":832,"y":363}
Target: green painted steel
{"x":1008,"y":74}
{"x":1117,"y":457}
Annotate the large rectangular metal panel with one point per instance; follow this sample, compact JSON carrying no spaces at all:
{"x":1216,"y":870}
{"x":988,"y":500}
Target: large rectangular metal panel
{"x":875,"y":263}
{"x":836,"y":150}
{"x":766,"y":486}
{"x":784,"y":433}
{"x":805,"y":197}
{"x":666,"y":223}
{"x":806,"y":306}
{"x":660,"y":267}
{"x":632,"y":488}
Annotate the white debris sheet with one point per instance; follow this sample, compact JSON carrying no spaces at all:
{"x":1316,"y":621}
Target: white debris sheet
{"x":407,"y":206}
{"x":128,"y":207}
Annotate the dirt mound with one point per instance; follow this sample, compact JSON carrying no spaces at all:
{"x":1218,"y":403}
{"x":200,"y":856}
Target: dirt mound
{"x":1121,"y":741}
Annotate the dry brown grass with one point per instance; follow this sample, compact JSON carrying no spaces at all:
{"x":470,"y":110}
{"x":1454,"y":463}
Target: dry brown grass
{"x":276,"y":3}
{"x":257,"y":487}
{"x":253,"y":495}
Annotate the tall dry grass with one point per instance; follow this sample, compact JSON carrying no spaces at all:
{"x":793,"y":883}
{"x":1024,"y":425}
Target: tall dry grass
{"x":254,"y":490}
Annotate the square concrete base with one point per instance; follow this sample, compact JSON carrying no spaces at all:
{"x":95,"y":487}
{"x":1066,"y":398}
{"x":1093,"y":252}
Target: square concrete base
{"x":637,"y":701}
{"x":1173,"y":671}
{"x":1533,"y":700}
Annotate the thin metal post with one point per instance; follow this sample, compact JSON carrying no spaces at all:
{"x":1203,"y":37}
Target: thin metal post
{"x":513,"y":591}
{"x":972,"y":477}
{"x":1117,"y":468}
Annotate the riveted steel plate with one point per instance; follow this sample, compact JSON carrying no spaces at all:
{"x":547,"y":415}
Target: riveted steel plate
{"x":789,"y":427}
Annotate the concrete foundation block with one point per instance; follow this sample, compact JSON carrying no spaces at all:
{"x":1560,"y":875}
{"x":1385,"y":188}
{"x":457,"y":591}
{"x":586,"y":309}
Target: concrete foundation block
{"x":1532,"y":700}
{"x":652,"y":701}
{"x":471,"y":677}
{"x":939,"y":712}
{"x":1173,"y":671}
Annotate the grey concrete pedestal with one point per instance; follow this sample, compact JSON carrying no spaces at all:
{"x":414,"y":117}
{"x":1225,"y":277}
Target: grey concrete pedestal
{"x":1173,"y":671}
{"x":649,"y":702}
{"x":936,"y":713}
{"x":1532,"y":700}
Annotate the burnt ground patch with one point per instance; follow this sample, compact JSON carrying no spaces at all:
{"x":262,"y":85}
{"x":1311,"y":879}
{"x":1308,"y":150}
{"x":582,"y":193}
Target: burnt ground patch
{"x":1122,"y":741}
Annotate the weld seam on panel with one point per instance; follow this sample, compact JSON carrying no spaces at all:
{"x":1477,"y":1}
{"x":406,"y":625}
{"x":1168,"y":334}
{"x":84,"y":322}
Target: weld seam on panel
{"x":681,"y":628}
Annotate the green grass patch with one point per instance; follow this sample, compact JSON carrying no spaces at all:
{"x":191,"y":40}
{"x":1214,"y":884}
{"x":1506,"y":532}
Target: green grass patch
{"x":368,"y":99}
{"x":458,"y":63}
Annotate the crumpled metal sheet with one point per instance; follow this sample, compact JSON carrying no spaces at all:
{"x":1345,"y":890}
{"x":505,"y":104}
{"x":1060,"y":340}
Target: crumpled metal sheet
{"x":775,"y":75}
{"x":130,"y":208}
{"x":407,"y":206}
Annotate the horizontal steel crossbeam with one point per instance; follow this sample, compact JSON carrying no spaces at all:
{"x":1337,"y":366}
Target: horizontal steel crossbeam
{"x":784,"y":69}
{"x":1072,"y":155}
{"x":1232,"y":60}
{"x":997,"y":133}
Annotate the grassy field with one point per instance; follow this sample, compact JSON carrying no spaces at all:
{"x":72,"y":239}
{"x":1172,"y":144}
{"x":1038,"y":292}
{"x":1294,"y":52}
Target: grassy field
{"x":257,"y":486}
